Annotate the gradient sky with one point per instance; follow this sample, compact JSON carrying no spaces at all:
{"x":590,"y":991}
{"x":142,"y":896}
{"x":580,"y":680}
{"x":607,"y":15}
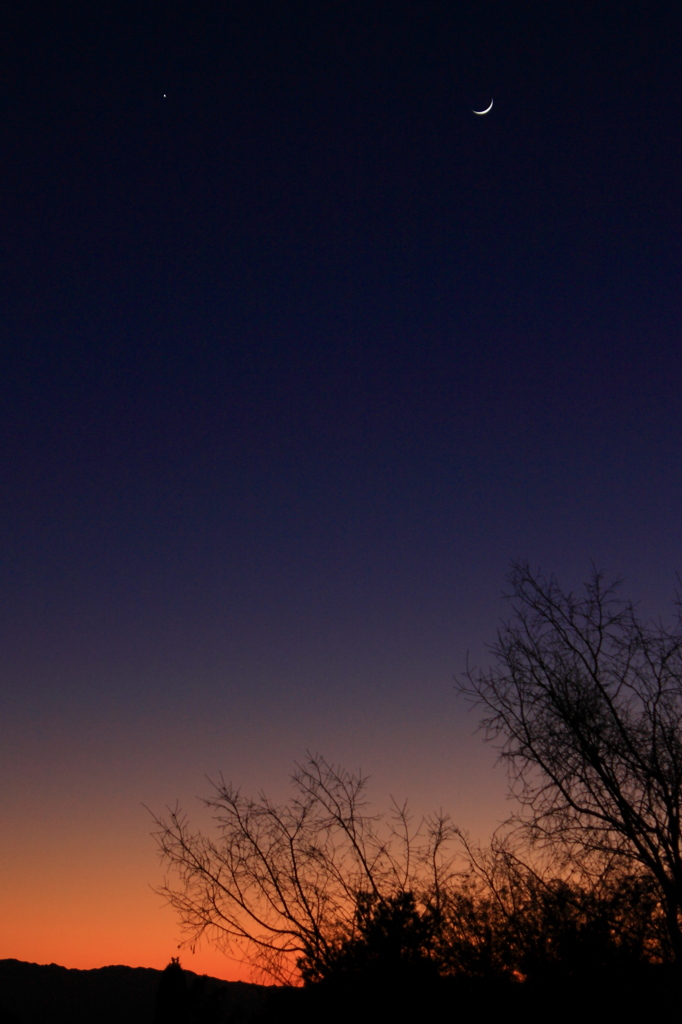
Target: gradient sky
{"x":297,"y":355}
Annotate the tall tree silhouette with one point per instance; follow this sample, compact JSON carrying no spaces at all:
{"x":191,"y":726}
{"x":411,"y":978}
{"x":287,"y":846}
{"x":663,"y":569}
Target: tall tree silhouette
{"x":171,"y":997}
{"x":585,"y":702}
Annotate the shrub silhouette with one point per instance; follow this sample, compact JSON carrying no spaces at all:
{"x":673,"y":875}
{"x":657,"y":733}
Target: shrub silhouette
{"x":392,"y":936}
{"x":384,"y":969}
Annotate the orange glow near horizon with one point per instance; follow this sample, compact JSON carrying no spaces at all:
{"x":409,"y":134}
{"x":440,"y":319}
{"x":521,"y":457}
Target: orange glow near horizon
{"x":128,"y":929}
{"x":90,"y":901}
{"x":83,"y":866}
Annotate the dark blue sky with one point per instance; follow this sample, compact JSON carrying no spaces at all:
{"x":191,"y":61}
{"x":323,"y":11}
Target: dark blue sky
{"x":299,"y":354}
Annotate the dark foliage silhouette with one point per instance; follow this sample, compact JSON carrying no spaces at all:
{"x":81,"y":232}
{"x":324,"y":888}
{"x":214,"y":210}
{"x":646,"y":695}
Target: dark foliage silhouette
{"x":506,"y":919}
{"x":384,"y":969}
{"x":393,"y":937}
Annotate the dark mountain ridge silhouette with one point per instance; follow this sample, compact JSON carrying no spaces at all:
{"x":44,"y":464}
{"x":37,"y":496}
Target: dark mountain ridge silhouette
{"x":50,"y":994}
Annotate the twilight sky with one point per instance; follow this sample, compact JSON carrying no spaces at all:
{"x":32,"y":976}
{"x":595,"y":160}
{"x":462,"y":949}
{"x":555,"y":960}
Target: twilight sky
{"x":297,"y":355}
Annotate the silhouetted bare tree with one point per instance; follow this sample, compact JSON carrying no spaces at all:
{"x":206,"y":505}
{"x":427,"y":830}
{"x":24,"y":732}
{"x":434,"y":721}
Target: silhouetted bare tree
{"x":283,"y":887}
{"x":585,"y":701}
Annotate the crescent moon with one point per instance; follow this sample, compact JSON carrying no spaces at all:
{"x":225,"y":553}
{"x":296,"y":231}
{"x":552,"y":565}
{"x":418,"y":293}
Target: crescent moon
{"x":483,"y":111}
